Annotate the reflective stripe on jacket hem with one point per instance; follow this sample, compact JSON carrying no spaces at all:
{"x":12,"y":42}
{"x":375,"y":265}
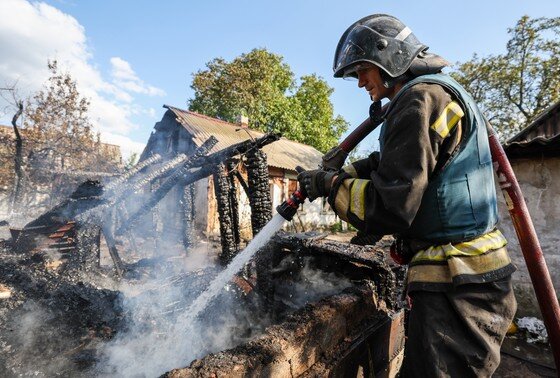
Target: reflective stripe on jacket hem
{"x":484,"y":259}
{"x":459,"y":266}
{"x":475,"y":247}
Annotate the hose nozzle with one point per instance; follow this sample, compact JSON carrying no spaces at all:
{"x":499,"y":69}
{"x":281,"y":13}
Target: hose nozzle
{"x":288,"y":208}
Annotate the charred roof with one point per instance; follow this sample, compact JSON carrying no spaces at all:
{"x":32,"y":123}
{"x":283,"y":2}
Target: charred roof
{"x":540,"y":138}
{"x":285,"y":154}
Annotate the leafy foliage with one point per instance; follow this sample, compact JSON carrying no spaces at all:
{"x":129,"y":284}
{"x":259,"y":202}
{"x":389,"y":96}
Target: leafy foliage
{"x":515,"y":87}
{"x":58,"y":131}
{"x":261,"y":86}
{"x":59,"y":147}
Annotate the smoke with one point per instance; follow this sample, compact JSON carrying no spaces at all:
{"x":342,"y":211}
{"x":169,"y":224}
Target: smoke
{"x":158,"y":337}
{"x":35,"y":344}
{"x":309,"y":284}
{"x":161,"y":336}
{"x":314,"y":284}
{"x":157,"y":333}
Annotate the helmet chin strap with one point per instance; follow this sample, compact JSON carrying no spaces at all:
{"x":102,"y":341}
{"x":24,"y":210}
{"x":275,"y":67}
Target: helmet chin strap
{"x":390,"y":82}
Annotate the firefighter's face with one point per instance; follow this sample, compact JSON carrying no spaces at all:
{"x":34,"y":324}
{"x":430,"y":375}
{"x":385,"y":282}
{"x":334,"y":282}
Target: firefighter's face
{"x":370,"y":79}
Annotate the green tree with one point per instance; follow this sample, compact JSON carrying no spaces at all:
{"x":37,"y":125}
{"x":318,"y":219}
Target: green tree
{"x":515,"y":87}
{"x":261,"y":86}
{"x":320,"y":129}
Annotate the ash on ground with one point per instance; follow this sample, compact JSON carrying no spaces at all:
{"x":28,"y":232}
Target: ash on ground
{"x":60,"y":321}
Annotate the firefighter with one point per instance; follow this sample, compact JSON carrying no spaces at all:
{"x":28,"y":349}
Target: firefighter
{"x":431,"y":186}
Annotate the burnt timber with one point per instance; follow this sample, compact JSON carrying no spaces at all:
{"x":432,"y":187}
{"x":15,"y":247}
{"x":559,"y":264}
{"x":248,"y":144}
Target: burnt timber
{"x":91,"y":209}
{"x":357,"y":332}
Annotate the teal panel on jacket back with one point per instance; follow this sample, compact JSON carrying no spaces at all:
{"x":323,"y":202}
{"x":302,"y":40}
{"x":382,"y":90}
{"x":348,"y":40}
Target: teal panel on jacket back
{"x":460,"y":201}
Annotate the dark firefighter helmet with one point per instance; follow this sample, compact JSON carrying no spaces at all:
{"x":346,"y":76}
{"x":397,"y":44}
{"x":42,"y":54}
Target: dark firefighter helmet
{"x":385,"y":41}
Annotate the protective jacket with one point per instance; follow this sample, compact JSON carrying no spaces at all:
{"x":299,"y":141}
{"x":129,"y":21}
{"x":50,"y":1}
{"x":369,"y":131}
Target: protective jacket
{"x":431,"y":184}
{"x":460,"y":200}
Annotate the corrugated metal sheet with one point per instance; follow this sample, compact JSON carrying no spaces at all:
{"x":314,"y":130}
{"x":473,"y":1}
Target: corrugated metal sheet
{"x":284,"y":153}
{"x":543,"y":135}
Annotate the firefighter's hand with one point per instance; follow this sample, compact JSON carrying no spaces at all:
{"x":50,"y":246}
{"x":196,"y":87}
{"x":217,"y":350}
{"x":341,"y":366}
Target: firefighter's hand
{"x":334,"y":159}
{"x":362,"y":238}
{"x":316,"y":182}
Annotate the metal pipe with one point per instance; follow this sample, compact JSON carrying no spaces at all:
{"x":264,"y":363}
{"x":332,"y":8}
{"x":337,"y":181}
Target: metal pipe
{"x":363,"y":130}
{"x":529,"y":243}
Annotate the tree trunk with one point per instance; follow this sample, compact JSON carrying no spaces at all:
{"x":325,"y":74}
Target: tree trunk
{"x":18,"y":161}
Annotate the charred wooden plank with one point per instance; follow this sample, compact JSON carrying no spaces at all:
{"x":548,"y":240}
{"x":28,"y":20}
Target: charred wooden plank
{"x":188,"y":215}
{"x":231,"y":166}
{"x":259,"y":191}
{"x":186,"y":175}
{"x":314,"y":243}
{"x":133,"y":172}
{"x":225,"y":214}
{"x":114,"y":252}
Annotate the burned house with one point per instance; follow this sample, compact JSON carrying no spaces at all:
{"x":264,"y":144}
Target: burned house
{"x":181,"y":131}
{"x":51,"y":171}
{"x":534,"y":154}
{"x":297,"y":305}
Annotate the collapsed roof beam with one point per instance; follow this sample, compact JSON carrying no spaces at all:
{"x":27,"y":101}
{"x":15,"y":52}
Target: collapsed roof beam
{"x":186,"y":175}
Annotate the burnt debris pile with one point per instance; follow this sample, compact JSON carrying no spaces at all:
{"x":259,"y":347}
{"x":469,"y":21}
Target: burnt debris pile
{"x":51,"y":321}
{"x":62,"y":275}
{"x":97,"y":285}
{"x":334,"y":310}
{"x":97,"y":219}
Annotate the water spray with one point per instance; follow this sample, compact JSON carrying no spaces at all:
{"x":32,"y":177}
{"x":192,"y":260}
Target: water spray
{"x":286,"y":212}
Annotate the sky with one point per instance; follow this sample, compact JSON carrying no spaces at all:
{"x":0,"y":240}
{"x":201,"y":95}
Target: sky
{"x":130,"y":57}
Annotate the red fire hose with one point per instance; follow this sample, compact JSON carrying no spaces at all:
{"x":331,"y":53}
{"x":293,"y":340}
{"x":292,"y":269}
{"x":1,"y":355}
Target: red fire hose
{"x":289,"y":207}
{"x":529,"y":243}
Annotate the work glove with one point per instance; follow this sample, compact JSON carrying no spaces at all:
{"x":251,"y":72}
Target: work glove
{"x":362,"y":238}
{"x":334,"y":159}
{"x":315,"y":182}
{"x":376,"y":115}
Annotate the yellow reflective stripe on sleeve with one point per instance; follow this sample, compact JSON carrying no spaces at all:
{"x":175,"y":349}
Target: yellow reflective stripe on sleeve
{"x":342,"y":200}
{"x":358,"y":198}
{"x":447,"y":119}
{"x":351,"y":170}
{"x":478,"y":246}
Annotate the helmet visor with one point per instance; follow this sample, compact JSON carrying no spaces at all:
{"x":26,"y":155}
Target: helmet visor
{"x":351,"y":72}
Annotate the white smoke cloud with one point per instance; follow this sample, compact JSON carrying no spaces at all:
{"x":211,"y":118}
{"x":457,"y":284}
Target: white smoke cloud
{"x":33,"y":32}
